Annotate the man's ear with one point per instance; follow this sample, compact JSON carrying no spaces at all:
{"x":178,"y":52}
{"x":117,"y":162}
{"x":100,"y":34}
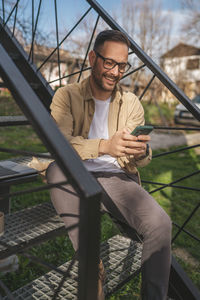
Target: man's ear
{"x":92,"y":58}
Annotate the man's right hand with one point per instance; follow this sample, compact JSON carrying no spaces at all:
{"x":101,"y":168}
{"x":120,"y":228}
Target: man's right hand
{"x":122,"y":143}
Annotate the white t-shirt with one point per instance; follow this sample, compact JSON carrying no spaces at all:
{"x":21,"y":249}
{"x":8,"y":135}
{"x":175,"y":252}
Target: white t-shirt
{"x":99,"y":130}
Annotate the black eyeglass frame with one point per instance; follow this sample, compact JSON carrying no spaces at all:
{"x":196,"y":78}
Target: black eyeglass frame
{"x":127,"y":65}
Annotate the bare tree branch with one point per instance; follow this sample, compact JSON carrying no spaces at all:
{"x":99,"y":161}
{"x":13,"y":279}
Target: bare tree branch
{"x":191,"y":27}
{"x":147,"y":24}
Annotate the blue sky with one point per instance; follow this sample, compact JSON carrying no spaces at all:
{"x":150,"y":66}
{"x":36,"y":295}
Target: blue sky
{"x":70,"y":10}
{"x":111,"y":5}
{"x":79,"y":6}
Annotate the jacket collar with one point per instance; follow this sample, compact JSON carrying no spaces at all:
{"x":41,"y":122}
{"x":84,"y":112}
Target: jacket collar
{"x":87,"y":92}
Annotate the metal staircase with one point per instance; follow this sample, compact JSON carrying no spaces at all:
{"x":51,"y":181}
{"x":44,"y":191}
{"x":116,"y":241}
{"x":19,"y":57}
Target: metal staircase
{"x":120,"y":255}
{"x":28,"y":70}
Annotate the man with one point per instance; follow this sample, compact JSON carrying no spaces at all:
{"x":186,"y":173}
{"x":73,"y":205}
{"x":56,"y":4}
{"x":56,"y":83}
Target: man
{"x":96,"y":116}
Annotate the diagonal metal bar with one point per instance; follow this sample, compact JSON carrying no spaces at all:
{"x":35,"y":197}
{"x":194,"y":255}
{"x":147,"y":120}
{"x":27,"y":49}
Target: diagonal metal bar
{"x":44,"y":62}
{"x":57,"y":40}
{"x":135,"y":70}
{"x":88,"y":48}
{"x":33,"y":18}
{"x":185,"y":188}
{"x":67,"y":273}
{"x":25,"y":153}
{"x":15,"y":19}
{"x":146,"y":88}
{"x":16,"y":4}
{"x":49,"y":266}
{"x":175,"y":181}
{"x":172,"y":185}
{"x":186,"y":221}
{"x":35,"y":28}
{"x":35,"y":189}
{"x":187,"y":232}
{"x":175,"y":151}
{"x":178,"y":93}
{"x":176,"y":128}
{"x":3,"y":11}
{"x":69,"y":75}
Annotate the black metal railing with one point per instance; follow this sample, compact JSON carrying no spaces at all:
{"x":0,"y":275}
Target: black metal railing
{"x":56,"y":145}
{"x":71,"y":166}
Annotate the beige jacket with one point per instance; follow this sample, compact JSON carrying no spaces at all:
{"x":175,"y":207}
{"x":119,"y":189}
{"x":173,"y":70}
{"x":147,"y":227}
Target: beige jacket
{"x":73,"y":109}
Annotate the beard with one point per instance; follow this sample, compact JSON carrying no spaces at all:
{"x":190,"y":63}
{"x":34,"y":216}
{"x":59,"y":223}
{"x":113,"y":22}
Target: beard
{"x":104,"y":81}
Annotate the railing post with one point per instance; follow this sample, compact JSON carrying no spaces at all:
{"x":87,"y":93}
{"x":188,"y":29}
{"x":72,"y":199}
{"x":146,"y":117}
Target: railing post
{"x":89,"y":241}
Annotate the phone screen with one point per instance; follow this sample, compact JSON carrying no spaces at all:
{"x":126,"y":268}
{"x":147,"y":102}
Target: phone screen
{"x":142,"y":130}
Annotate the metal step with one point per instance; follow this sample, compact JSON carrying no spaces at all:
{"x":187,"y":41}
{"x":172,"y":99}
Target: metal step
{"x":29,"y":227}
{"x":122,"y":260}
{"x":13,"y":120}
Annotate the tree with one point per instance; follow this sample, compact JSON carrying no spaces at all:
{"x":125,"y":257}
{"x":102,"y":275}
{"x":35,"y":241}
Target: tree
{"x":191,"y":27}
{"x":150,"y":27}
{"x":147,"y":24}
{"x":23,"y":26}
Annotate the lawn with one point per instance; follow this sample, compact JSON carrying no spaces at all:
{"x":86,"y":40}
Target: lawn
{"x":178,"y":203}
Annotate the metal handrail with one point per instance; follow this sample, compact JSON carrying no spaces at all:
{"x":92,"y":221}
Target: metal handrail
{"x":71,"y":165}
{"x":157,"y":72}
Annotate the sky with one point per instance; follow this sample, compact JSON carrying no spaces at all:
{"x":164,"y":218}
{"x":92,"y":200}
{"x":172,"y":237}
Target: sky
{"x":78,"y":7}
{"x":70,"y":10}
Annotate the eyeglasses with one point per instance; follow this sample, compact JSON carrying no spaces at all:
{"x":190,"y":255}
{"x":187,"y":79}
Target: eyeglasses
{"x":109,"y":64}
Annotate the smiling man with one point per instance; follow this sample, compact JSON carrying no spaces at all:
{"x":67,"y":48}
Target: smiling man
{"x":97,"y":116}
{"x":105,"y":75}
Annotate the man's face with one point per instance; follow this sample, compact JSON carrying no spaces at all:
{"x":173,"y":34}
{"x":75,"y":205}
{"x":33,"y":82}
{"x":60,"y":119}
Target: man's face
{"x":103,"y":78}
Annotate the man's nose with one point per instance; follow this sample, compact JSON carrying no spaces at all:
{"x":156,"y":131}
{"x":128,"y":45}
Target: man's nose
{"x":115,"y":70}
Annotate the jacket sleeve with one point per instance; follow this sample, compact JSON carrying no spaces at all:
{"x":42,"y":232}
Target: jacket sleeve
{"x":135,"y":118}
{"x":61,"y":111}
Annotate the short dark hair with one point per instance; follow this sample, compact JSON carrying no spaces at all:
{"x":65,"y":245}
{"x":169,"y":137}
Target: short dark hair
{"x":110,"y":35}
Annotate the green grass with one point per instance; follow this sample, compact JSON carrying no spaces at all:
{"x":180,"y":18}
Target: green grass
{"x":8,"y":106}
{"x":155,"y":114}
{"x":178,"y":203}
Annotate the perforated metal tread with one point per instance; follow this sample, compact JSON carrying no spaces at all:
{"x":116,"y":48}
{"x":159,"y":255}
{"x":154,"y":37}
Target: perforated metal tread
{"x":24,"y":160}
{"x":29,"y":226}
{"x":121,"y":258}
{"x":13,"y":120}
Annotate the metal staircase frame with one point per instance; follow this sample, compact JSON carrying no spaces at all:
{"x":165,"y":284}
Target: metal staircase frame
{"x":33,"y":94}
{"x":71,"y":165}
{"x":27,"y":69}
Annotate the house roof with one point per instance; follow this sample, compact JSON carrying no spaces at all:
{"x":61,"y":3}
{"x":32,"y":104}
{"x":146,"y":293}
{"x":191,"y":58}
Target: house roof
{"x":41,"y":52}
{"x":181,"y":50}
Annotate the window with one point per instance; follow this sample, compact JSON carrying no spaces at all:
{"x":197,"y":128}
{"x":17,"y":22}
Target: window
{"x":193,"y":64}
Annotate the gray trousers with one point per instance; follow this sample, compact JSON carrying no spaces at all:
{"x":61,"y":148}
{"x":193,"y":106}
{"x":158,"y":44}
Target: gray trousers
{"x":130,"y":204}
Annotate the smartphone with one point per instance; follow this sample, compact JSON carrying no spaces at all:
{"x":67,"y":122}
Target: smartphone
{"x":142,"y":130}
